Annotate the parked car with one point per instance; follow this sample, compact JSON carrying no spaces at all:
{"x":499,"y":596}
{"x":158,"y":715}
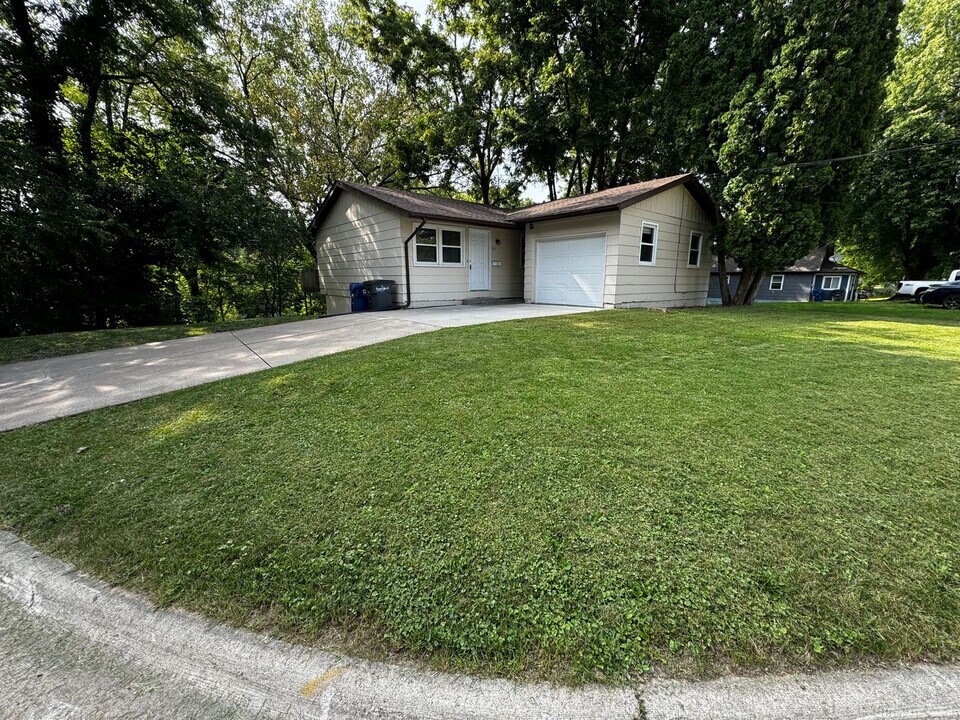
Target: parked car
{"x":915,"y":288}
{"x":947,"y":295}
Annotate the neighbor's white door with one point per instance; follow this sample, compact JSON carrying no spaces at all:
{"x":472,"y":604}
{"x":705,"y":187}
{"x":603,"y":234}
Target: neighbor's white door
{"x":570,"y":271}
{"x":478,"y":256}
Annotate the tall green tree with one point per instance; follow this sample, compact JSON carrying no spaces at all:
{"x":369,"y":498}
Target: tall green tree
{"x":906,"y":204}
{"x":328,"y":111}
{"x":123,"y":171}
{"x":454,"y":137}
{"x":755,"y":95}
{"x":586,"y":73}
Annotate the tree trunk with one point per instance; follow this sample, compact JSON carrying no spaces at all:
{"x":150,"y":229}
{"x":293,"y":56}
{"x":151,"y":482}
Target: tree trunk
{"x":750,"y":280}
{"x":724,"y":279}
{"x":747,"y":289}
{"x":193,"y":281}
{"x":85,"y":126}
{"x":41,"y":83}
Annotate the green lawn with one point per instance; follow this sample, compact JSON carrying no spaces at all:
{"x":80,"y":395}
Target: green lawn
{"x":579,"y":497}
{"x":35,"y":347}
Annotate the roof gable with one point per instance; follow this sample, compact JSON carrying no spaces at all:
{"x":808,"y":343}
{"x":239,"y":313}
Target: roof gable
{"x":419,"y":205}
{"x":616,"y":199}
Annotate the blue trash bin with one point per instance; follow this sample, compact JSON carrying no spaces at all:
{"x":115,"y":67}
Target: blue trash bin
{"x":358,"y":297}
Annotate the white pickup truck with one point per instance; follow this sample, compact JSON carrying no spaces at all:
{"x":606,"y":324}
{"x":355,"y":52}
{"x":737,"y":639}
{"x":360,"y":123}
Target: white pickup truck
{"x":915,"y":288}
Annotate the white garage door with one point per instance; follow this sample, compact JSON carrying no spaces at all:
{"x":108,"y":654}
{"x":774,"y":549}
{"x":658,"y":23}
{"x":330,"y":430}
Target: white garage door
{"x":570,"y":271}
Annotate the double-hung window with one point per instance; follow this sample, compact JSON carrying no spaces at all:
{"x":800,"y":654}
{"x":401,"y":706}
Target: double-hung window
{"x":776,"y":282}
{"x":427,"y":246}
{"x":693,"y":256}
{"x":832,"y":282}
{"x":648,"y":243}
{"x":439,"y":246}
{"x":451,"y":247}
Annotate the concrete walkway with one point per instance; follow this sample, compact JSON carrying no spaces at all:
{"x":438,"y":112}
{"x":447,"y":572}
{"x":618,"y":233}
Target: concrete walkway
{"x":40,"y":390}
{"x":71,"y":647}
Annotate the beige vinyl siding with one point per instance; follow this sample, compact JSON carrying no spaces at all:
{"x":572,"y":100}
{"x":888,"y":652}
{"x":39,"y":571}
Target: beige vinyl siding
{"x":441,"y":285}
{"x":359,"y":240}
{"x":668,"y":283}
{"x":602,"y":224}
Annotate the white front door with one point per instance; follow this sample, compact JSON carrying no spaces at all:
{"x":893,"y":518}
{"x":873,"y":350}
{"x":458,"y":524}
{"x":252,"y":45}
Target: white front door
{"x":478,"y":258}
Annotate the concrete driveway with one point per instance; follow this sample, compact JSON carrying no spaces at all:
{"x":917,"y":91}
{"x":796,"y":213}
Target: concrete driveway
{"x":40,"y":390}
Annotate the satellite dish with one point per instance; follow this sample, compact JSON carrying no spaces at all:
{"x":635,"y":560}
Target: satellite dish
{"x":836,"y":258}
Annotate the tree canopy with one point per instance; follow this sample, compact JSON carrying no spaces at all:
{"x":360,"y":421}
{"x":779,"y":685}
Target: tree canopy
{"x":756,"y":95}
{"x":905,"y":217}
{"x":161,"y":159}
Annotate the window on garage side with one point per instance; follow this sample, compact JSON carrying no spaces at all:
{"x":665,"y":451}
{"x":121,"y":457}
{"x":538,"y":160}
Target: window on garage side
{"x":832,"y":282}
{"x":648,"y":243}
{"x":776,"y":282}
{"x":693,"y":254}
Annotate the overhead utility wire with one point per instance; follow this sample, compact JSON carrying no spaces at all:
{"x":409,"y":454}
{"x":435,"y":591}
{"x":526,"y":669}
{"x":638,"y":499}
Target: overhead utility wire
{"x":845,"y":158}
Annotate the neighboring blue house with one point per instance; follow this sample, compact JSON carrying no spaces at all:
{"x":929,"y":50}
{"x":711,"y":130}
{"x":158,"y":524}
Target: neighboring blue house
{"x":813,"y":277}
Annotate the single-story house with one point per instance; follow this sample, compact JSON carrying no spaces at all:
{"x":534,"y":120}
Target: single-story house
{"x":638,"y":245}
{"x":817,"y":276}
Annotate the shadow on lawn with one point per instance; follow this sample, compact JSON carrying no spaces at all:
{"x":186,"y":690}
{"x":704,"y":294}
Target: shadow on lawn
{"x":856,"y":312}
{"x":885,"y":336}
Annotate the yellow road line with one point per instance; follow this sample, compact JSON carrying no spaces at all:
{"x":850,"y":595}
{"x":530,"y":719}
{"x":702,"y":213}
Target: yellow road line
{"x":317,"y":684}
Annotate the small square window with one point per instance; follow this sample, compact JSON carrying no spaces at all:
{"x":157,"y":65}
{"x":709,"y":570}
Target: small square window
{"x":832,"y":282}
{"x":693,"y":257}
{"x":648,"y":244}
{"x":776,"y":282}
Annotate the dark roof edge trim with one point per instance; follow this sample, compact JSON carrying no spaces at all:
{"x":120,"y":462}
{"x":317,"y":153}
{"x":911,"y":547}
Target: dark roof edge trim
{"x":320,"y":215}
{"x":693,"y":186}
{"x":612,"y":207}
{"x":689,"y":181}
{"x":454,"y":221}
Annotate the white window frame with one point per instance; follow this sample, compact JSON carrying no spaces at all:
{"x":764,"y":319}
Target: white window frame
{"x":773,"y":279}
{"x":699,"y":248}
{"x":439,"y":245}
{"x":656,"y":236}
{"x":838,"y":278}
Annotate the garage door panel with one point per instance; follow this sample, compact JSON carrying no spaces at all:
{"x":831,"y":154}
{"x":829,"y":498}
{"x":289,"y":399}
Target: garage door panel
{"x":570,"y":271}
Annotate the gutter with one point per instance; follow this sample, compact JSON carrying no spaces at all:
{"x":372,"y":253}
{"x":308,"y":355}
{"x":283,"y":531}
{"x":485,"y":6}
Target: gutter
{"x":406,"y":262}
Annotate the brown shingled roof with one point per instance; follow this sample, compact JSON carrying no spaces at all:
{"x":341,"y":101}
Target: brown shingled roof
{"x":419,"y":205}
{"x":613,"y":199}
{"x":432,"y":207}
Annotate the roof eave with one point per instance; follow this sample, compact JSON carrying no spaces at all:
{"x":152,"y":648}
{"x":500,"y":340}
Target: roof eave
{"x":318,"y":217}
{"x":567,"y":214}
{"x":506,"y":225}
